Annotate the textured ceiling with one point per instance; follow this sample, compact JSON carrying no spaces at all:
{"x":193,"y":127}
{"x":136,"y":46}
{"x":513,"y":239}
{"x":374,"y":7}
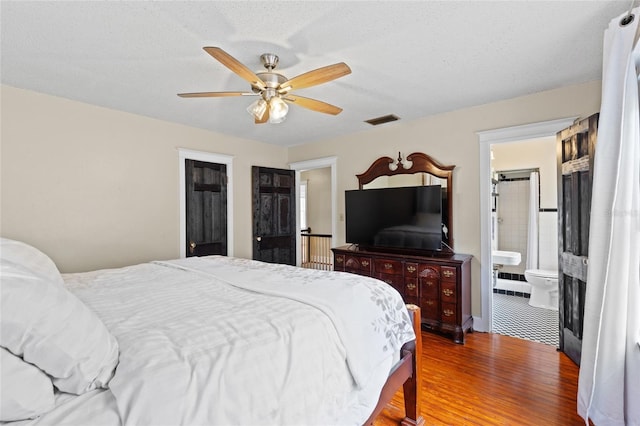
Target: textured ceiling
{"x":411,"y":59}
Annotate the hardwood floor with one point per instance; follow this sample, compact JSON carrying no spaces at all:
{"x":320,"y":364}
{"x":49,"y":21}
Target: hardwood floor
{"x":492,"y":380}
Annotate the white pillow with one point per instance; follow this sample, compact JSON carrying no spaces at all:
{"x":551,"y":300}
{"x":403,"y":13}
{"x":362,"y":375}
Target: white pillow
{"x":51,"y":328}
{"x":26,"y":391}
{"x":31,"y":258}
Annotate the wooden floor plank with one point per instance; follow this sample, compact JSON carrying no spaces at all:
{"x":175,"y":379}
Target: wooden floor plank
{"x":492,"y":380}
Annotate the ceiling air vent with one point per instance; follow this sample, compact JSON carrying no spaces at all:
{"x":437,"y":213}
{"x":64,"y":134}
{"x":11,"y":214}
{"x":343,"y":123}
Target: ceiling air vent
{"x":381,"y":120}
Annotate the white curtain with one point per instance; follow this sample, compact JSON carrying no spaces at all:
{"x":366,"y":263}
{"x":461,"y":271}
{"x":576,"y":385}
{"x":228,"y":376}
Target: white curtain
{"x":609,"y":384}
{"x":532,"y":230}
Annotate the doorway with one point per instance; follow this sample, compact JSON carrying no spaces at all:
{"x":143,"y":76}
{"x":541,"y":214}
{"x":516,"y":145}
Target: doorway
{"x":486,"y":140}
{"x":524,"y":238}
{"x":320,"y":163}
{"x":315,"y":219}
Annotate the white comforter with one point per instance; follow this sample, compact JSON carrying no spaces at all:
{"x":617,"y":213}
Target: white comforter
{"x":213,"y":341}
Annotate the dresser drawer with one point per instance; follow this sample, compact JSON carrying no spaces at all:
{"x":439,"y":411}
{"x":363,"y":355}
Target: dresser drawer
{"x":427,"y":271}
{"x":411,"y":270}
{"x":449,"y":273}
{"x":429,"y":280}
{"x":338,"y":262}
{"x":360,"y":265}
{"x":449,"y":313}
{"x":395,"y":281}
{"x":429,"y":308}
{"x":429,"y":288}
{"x":387,"y":266}
{"x":448,"y":293}
{"x":411,"y":286}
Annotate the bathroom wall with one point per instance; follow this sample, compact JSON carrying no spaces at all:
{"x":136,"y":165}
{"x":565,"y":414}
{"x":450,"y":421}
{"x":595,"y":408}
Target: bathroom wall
{"x":532,"y":154}
{"x":512,"y":217}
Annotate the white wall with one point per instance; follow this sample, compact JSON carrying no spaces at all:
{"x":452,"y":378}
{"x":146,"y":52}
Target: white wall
{"x":450,"y":138}
{"x":98,"y":188}
{"x":512,"y":221}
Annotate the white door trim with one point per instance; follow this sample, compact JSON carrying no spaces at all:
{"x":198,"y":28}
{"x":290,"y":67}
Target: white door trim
{"x":318,"y":163}
{"x":209,"y":157}
{"x":486,"y":139}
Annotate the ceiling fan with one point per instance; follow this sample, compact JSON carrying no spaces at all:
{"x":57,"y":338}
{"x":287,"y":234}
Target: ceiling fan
{"x":273,"y":88}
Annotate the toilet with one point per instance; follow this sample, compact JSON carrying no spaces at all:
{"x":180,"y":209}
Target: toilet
{"x":544,"y":288}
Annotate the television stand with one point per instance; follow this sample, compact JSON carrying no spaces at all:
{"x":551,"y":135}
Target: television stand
{"x":440,"y":285}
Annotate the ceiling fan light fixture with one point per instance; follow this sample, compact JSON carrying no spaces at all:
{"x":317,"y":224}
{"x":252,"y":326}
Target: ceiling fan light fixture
{"x":273,"y":88}
{"x":278,"y":110}
{"x":257,"y":109}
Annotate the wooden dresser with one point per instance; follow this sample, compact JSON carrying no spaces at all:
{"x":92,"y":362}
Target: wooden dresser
{"x":441,"y":286}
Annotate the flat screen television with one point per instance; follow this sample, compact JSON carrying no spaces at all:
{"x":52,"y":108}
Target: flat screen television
{"x":399,"y":218}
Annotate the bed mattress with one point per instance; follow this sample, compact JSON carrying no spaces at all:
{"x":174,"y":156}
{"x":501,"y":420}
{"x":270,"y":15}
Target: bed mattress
{"x":219,"y":340}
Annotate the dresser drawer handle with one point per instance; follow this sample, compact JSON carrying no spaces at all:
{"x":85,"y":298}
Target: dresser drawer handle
{"x":447,"y":273}
{"x":340,"y":260}
{"x":430,"y":283}
{"x":365,"y":263}
{"x":411,"y":286}
{"x":447,"y":312}
{"x":430,"y":302}
{"x":447,"y":292}
{"x":388,"y":266}
{"x":411,"y":269}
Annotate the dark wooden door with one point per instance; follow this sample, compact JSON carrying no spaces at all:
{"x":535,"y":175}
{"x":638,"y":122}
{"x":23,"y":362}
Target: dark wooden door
{"x":206,"y":208}
{"x":274,"y":215}
{"x":576,"y":149}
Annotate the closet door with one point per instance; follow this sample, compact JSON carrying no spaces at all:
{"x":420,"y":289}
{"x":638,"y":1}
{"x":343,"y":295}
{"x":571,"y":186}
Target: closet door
{"x":576,"y":149}
{"x":206,"y":208}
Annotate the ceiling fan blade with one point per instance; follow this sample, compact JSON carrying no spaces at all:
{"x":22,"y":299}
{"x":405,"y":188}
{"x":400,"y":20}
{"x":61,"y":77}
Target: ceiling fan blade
{"x":313,"y":104}
{"x":236,"y":66}
{"x":315,"y":77}
{"x":215,"y":94}
{"x":264,"y":119}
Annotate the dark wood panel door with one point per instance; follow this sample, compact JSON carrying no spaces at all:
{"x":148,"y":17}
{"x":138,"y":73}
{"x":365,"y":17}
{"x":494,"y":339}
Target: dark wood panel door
{"x":576,"y":149}
{"x":274,"y":215}
{"x":206,"y":208}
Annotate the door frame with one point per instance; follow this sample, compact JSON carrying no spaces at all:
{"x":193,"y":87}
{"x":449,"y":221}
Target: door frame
{"x":319,"y":163}
{"x":486,"y":139}
{"x":208,"y":157}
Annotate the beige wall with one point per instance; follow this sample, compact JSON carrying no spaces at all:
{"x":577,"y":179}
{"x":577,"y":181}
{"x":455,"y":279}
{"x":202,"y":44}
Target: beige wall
{"x":532,"y":154}
{"x":98,"y":188}
{"x":451,"y":139}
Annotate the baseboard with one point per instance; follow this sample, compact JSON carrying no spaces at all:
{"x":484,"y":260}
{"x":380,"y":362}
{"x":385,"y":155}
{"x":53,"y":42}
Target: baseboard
{"x":480,"y":325}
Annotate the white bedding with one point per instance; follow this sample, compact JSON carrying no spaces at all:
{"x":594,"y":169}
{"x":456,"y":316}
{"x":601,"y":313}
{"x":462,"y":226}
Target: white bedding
{"x":199,"y":344}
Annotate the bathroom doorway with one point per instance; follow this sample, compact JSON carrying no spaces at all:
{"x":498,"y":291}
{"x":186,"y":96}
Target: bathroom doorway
{"x":524,"y":237}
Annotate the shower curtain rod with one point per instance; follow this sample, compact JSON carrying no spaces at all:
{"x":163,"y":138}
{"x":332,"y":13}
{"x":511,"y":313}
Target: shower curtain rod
{"x":510,"y":172}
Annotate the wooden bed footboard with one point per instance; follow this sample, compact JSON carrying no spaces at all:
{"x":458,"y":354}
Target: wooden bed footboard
{"x":405,"y":373}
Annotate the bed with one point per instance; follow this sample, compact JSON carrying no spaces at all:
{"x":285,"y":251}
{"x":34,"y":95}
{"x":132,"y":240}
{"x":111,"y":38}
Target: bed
{"x":200,"y":341}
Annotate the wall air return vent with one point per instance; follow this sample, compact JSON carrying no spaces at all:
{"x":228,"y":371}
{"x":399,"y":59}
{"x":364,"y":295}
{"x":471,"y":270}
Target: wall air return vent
{"x":381,"y":120}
